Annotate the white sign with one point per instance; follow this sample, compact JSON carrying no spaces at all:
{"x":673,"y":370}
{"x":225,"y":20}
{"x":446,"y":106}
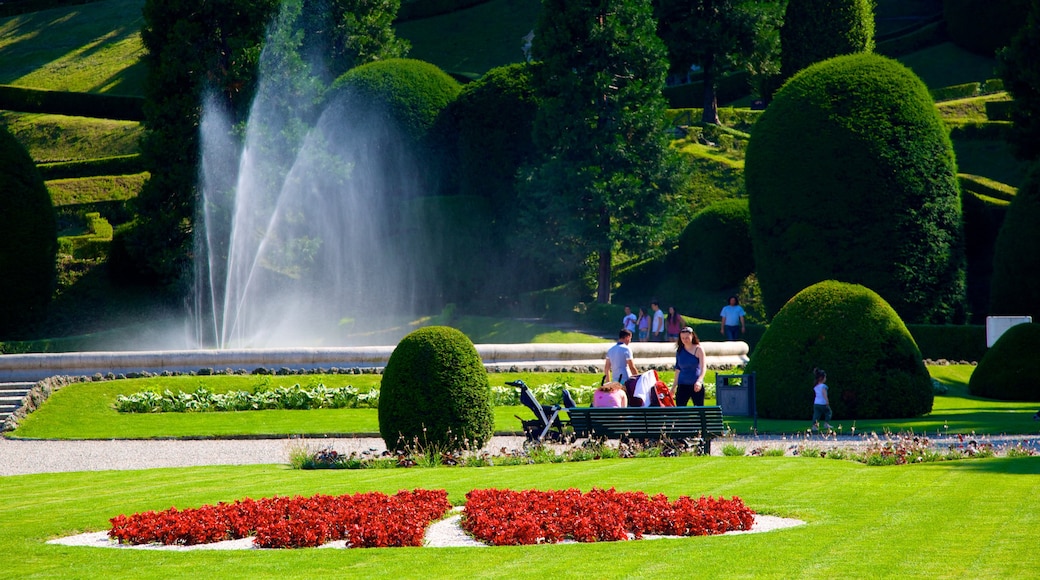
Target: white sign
{"x":998,"y":325}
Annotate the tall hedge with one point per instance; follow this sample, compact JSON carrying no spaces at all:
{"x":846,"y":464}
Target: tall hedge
{"x":1009,"y":368}
{"x":850,"y":176}
{"x":1015,"y":285}
{"x":874,"y":368}
{"x":435,"y":393}
{"x":715,"y":249}
{"x":29,"y":243}
{"x":1021,"y":76}
{"x":983,"y":26}
{"x":815,"y":30}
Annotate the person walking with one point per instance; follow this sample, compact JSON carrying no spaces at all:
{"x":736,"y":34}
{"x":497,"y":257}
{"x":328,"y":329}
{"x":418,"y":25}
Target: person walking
{"x":657,"y":325}
{"x":619,"y":364}
{"x":689,"y":369}
{"x":673,"y":323}
{"x":822,"y":403}
{"x":732,"y":319}
{"x":629,"y":321}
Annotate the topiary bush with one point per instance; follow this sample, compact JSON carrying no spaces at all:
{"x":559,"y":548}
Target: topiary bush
{"x":410,"y":93}
{"x":983,"y":26}
{"x":815,"y":30}
{"x":874,"y":369}
{"x":30,"y":241}
{"x":715,"y":249}
{"x":1009,"y":368}
{"x":850,"y":175}
{"x":1015,"y":285}
{"x":435,"y":393}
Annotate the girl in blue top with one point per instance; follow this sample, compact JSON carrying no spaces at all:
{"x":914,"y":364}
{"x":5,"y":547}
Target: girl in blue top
{"x":689,"y":369}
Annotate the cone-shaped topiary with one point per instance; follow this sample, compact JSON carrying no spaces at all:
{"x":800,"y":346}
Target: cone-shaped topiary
{"x":29,"y":244}
{"x":850,"y":176}
{"x":1015,"y":284}
{"x":715,"y":248}
{"x":874,"y":368}
{"x":435,"y":393}
{"x":1009,"y":369}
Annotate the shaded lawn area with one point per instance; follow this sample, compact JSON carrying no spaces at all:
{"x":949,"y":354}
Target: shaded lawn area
{"x":918,"y":521}
{"x":85,"y":410}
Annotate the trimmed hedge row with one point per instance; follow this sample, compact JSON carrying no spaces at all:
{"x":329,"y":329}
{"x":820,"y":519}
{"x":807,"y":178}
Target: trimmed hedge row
{"x":927,"y":35}
{"x":950,"y":342}
{"x":91,"y":245}
{"x":25,"y":100}
{"x":118,"y":165}
{"x":986,"y":187}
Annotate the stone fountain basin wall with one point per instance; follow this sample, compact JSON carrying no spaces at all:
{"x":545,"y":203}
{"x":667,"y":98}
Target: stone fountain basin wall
{"x":38,"y":366}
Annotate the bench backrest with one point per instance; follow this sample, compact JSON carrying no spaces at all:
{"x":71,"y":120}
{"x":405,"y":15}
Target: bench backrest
{"x":648,"y":422}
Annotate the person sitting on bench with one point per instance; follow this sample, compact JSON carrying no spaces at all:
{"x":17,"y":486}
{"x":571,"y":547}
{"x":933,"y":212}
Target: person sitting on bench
{"x":611,"y":394}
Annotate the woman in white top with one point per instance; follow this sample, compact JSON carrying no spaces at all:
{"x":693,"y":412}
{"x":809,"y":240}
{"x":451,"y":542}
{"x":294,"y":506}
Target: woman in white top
{"x":821,"y":404}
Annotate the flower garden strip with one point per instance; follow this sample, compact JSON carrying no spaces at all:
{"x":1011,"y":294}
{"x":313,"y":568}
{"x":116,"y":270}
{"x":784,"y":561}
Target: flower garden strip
{"x":498,"y":517}
{"x":506,"y":517}
{"x":370,"y":520}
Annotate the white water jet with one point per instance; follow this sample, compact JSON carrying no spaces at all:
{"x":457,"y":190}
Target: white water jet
{"x":303,"y":238}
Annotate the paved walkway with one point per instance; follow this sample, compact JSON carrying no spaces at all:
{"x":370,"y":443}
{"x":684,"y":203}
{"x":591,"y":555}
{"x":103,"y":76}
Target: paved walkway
{"x":18,"y":457}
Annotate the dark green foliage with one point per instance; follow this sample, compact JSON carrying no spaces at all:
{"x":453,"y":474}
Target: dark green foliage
{"x":435,"y":393}
{"x":1015,"y":288}
{"x":494,"y":116}
{"x":815,"y":30}
{"x":874,"y":369}
{"x":1018,"y":67}
{"x":460,"y":246}
{"x":850,"y":175}
{"x":29,"y":244}
{"x":67,"y":103}
{"x":715,"y":250}
{"x":410,"y":92}
{"x":961,"y":342}
{"x":362,"y":32}
{"x":119,"y":165}
{"x":605,"y":176}
{"x":983,"y":26}
{"x":1010,"y":368}
{"x":983,"y":216}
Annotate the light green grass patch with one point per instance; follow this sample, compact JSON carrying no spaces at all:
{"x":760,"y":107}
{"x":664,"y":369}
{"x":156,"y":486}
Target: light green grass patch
{"x":83,"y":190}
{"x":54,"y":138}
{"x":94,"y":47}
{"x":922,"y":521}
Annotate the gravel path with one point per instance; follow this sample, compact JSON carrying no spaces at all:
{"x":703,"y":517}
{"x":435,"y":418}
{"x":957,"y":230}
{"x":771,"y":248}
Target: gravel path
{"x":18,"y":457}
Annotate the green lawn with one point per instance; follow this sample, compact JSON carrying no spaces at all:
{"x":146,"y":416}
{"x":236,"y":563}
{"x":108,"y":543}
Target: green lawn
{"x":964,"y":519}
{"x":85,"y":410}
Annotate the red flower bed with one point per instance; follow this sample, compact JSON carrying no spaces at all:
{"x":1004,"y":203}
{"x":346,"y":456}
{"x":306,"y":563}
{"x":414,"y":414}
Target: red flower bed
{"x":506,"y":517}
{"x":365,"y":520}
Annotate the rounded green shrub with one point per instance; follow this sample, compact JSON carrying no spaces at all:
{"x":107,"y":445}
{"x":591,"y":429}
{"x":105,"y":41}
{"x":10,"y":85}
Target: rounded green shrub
{"x":1015,"y":285}
{"x":1009,"y":368}
{"x":850,"y":176}
{"x":435,"y":393}
{"x":983,"y":26}
{"x":409,"y":92}
{"x":815,"y":30}
{"x":874,"y":368}
{"x":715,"y":249}
{"x":29,"y":245}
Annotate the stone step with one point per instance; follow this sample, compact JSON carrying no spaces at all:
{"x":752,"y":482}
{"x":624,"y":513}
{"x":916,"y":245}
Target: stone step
{"x":11,"y":395}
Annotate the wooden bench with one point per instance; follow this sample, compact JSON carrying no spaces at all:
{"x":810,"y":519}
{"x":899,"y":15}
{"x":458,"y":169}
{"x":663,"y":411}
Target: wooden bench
{"x":703,"y":423}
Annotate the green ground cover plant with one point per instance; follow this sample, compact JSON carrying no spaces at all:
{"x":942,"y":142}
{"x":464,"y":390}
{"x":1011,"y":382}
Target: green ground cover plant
{"x":858,"y":520}
{"x":54,"y":138}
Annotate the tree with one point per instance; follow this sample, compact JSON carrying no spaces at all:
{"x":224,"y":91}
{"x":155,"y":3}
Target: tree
{"x":715,"y":34}
{"x":816,"y":30}
{"x":605,"y":173}
{"x":1015,"y":284}
{"x":1021,"y":74}
{"x":851,"y":176}
{"x":364,"y":33}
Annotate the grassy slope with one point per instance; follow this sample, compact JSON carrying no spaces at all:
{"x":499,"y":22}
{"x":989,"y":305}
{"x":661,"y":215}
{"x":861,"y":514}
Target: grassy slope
{"x":92,"y":47}
{"x":52,"y":138}
{"x":968,"y":519}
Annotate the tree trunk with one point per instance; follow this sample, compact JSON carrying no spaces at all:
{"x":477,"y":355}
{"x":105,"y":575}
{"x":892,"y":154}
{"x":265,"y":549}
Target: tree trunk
{"x":603,"y":286}
{"x":711,"y":103}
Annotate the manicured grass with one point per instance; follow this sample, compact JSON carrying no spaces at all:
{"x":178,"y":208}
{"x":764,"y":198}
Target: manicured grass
{"x":488,"y":330}
{"x":966,"y":519}
{"x":990,"y":158}
{"x":473,"y":40}
{"x":94,"y":47}
{"x":86,"y":410}
{"x":85,"y":190}
{"x":53,"y":138}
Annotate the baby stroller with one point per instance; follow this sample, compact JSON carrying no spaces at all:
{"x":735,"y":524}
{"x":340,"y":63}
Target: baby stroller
{"x":546,"y":423}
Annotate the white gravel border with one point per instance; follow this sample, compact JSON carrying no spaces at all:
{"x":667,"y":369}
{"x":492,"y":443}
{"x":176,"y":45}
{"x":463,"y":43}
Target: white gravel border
{"x":446,"y":533}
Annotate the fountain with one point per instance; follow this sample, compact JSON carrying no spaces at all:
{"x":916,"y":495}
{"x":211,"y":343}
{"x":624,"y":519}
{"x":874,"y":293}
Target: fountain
{"x":305,"y":237}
